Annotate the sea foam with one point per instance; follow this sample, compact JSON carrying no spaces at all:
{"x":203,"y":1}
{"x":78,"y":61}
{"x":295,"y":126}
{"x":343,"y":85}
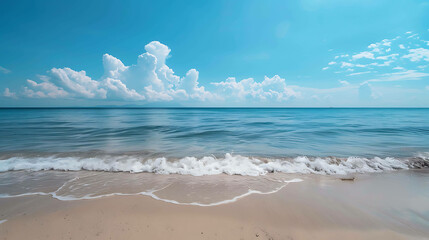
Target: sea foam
{"x":210,"y":165}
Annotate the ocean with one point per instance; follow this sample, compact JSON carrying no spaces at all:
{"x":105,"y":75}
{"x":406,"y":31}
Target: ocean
{"x":201,"y":156}
{"x":205,"y":141}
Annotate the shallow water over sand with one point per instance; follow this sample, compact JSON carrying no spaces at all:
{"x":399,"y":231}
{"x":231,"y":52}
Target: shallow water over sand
{"x":373,"y":206}
{"x":178,"y":189}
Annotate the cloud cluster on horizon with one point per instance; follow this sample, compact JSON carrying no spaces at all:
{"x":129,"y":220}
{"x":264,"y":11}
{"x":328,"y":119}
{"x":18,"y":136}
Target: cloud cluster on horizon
{"x":150,"y":80}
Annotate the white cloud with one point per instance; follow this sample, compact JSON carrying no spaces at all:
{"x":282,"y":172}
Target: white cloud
{"x":416,"y":36}
{"x":191,"y":86}
{"x":247,"y":89}
{"x":325,"y":68}
{"x":4,"y":70}
{"x":346,"y":64}
{"x":33,"y":94}
{"x":365,"y":54}
{"x":361,"y":65}
{"x":153,"y":95}
{"x":417,"y":54}
{"x":78,"y":83}
{"x":119,"y":89}
{"x":151,"y":80}
{"x":384,"y":64}
{"x":46,"y":89}
{"x":341,"y":56}
{"x":343,"y":82}
{"x":386,"y":42}
{"x":409,"y":75}
{"x":331,"y":63}
{"x":159,"y":50}
{"x":385,"y":53}
{"x":382,"y":46}
{"x":8,"y":93}
{"x":112,"y":66}
{"x":359,"y":73}
{"x":393,"y":56}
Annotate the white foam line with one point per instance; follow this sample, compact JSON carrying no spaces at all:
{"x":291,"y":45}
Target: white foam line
{"x":234,"y":199}
{"x":24,"y":194}
{"x":2,"y":221}
{"x":295,"y":180}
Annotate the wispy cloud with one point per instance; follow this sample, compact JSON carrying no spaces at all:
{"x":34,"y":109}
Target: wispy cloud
{"x":359,"y":73}
{"x":343,"y":82}
{"x":410,"y":75}
{"x":4,"y":70}
{"x":395,"y":53}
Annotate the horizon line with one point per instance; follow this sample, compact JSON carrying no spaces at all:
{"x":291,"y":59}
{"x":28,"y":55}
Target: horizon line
{"x":113,"y":107}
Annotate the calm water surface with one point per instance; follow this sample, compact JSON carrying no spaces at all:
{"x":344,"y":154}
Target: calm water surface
{"x":202,"y":132}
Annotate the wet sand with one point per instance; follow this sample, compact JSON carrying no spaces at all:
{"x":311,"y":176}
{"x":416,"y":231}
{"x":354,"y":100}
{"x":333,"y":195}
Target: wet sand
{"x":389,"y":205}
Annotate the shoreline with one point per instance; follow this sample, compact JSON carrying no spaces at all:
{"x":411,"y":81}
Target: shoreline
{"x":374,"y":206}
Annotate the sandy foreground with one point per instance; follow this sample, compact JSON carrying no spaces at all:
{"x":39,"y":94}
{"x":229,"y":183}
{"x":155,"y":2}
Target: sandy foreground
{"x":375,"y":206}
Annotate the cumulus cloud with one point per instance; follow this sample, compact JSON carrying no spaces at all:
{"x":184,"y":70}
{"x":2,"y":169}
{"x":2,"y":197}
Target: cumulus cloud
{"x":9,"y":94}
{"x":365,"y":54}
{"x":78,"y":83}
{"x":150,"y":79}
{"x":274,"y":88}
{"x":418,"y":54}
{"x":120,"y":90}
{"x":46,"y":89}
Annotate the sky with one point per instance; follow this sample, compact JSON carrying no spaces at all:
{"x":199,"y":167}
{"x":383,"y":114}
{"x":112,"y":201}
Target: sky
{"x":302,"y":53}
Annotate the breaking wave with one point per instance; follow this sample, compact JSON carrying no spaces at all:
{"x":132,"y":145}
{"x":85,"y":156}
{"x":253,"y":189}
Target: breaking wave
{"x":210,"y":165}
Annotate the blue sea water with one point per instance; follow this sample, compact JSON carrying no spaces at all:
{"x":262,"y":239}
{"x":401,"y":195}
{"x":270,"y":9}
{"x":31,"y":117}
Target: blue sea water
{"x":272,"y":133}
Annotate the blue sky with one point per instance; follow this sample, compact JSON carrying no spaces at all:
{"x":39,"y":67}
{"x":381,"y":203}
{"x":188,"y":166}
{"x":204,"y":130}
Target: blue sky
{"x":304,"y":53}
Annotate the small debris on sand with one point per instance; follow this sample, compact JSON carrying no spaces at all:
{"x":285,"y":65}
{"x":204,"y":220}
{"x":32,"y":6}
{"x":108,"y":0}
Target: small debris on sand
{"x":347,"y":178}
